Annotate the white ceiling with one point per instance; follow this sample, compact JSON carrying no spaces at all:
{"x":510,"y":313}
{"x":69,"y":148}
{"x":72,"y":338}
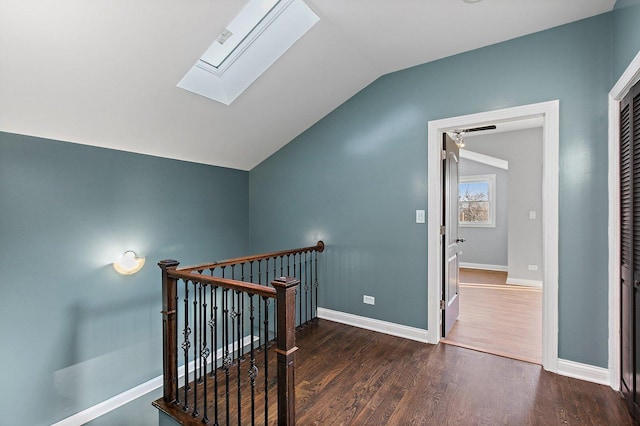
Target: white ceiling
{"x":104,"y":72}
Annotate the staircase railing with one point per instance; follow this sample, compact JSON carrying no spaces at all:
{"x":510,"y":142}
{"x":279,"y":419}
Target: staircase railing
{"x":221,"y":316}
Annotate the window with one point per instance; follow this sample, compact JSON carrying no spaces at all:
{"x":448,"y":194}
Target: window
{"x":477,"y":200}
{"x":262,"y":32}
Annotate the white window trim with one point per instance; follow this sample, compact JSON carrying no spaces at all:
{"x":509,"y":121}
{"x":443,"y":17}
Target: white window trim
{"x":491,"y":179}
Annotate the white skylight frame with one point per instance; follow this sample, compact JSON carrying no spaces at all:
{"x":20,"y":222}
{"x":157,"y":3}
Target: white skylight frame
{"x":256,"y":15}
{"x":223,"y":74}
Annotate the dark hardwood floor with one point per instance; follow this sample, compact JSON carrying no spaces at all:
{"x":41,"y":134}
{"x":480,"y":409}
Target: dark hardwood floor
{"x":350,"y":376}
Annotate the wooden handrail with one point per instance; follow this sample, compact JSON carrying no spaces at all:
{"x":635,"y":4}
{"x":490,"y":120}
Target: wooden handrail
{"x":243,"y":286}
{"x":319,"y":247}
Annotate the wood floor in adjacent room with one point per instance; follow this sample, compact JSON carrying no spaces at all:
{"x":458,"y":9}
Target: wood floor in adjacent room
{"x":350,"y":376}
{"x":497,"y":318}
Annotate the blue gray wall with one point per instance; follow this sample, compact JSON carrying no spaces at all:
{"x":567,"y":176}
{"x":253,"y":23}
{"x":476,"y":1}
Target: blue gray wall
{"x":626,"y":34}
{"x":357,"y":176}
{"x":486,"y":245}
{"x":74,"y":331}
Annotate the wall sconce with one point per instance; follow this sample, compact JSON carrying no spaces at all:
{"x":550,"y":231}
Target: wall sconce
{"x":129,"y":263}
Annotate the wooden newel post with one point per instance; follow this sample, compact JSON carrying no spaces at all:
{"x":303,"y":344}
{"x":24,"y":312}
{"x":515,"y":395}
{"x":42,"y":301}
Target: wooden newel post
{"x":169,"y":331}
{"x":286,"y":341}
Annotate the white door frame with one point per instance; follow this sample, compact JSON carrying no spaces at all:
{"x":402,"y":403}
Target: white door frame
{"x":630,"y":77}
{"x":551,"y":131}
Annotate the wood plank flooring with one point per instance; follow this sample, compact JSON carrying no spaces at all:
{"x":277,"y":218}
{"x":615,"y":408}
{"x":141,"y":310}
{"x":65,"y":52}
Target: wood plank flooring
{"x":351,"y":376}
{"x":496,"y":318}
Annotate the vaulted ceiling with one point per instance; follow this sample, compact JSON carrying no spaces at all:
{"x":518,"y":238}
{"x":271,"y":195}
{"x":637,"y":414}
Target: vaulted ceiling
{"x":104,"y":72}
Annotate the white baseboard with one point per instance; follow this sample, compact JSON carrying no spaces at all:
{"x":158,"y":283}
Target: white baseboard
{"x":524,"y":282}
{"x":586,"y":372}
{"x":483,"y":266}
{"x":134,"y":393}
{"x":385,"y":327}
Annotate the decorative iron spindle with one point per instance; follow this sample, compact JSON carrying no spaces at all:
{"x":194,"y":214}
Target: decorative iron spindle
{"x":213,"y":323}
{"x":253,"y":370}
{"x":186,"y":345}
{"x":241,"y":323}
{"x":194,"y":413}
{"x":240,"y":345}
{"x":204,"y":354}
{"x":315,"y":286}
{"x":234,"y":335}
{"x":226,"y":360}
{"x":177,"y":382}
{"x":266,"y":361}
{"x":298,"y":289}
{"x":307,"y":308}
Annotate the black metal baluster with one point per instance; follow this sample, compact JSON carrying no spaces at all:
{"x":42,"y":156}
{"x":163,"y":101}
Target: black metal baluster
{"x":315,"y":285}
{"x":307,"y":308}
{"x":298,"y":289}
{"x":241,"y":347}
{"x":194,"y":413}
{"x":253,"y":370}
{"x":214,"y":371}
{"x":185,"y":345}
{"x":259,"y":306}
{"x":201,"y":331}
{"x":275,"y":261}
{"x":177,"y":401}
{"x":204,"y":355}
{"x":226,"y":360}
{"x":281,"y":262}
{"x":266,"y":362}
{"x":234,"y":340}
{"x":275,"y":320}
{"x":241,"y":311}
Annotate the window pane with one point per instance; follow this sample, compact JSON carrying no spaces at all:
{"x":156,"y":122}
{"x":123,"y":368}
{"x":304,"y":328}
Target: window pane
{"x":476,"y":200}
{"x":474,"y":191}
{"x":474,"y":211}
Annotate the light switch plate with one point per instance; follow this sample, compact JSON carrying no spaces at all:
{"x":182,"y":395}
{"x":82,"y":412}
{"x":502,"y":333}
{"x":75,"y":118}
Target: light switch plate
{"x":420,"y":216}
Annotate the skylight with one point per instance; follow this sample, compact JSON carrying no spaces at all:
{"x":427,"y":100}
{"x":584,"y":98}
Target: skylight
{"x":262,"y":32}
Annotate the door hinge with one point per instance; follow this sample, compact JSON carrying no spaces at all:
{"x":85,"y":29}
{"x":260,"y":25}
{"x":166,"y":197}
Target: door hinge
{"x":443,"y":155}
{"x":442,"y":304}
{"x":443,"y":230}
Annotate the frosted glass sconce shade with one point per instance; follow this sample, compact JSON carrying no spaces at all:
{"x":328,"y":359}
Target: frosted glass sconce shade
{"x":129,"y":263}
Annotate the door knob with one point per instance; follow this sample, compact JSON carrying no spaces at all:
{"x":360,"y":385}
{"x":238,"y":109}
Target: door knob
{"x":460,"y":240}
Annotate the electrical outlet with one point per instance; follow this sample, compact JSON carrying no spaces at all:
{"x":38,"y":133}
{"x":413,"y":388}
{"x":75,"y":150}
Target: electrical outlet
{"x":533,"y":267}
{"x":369,"y":300}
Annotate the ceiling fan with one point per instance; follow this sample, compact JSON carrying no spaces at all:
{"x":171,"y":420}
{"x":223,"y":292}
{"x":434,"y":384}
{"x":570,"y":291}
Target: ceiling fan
{"x":458,"y":134}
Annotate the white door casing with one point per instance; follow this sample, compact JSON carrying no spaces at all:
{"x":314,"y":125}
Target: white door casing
{"x":549,"y":111}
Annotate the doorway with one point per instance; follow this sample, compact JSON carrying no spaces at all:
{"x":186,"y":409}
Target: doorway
{"x":549,"y":111}
{"x":500,"y":229}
